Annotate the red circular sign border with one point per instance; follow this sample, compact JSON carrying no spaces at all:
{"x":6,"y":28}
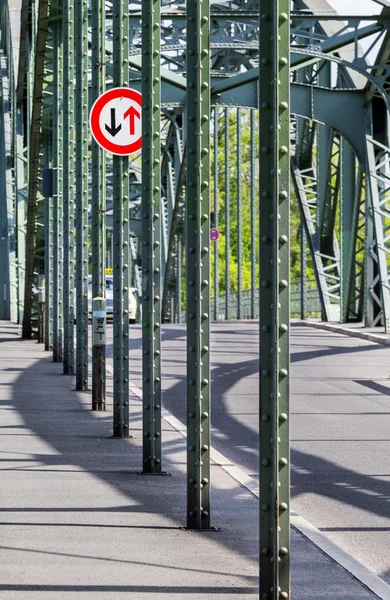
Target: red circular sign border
{"x":214,"y":229}
{"x":94,"y":118}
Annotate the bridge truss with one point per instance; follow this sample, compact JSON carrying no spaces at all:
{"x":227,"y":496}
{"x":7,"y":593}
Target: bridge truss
{"x":226,"y":126}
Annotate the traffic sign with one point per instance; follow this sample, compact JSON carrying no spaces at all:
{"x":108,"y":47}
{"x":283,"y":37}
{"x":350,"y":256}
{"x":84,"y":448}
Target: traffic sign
{"x":214,"y":234}
{"x":115,"y":121}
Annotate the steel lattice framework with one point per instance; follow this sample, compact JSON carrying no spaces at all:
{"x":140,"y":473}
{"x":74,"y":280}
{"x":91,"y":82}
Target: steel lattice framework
{"x":239,"y":98}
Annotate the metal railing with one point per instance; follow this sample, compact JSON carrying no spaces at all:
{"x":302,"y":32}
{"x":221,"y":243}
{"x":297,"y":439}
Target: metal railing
{"x":313,"y":303}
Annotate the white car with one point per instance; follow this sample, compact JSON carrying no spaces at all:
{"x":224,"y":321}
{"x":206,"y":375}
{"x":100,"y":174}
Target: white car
{"x":110,"y":299}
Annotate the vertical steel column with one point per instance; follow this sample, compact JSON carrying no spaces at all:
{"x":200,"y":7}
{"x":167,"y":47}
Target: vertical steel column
{"x":57,"y":195}
{"x":68,"y":185}
{"x":227,"y":214}
{"x":198,"y":264}
{"x":254,"y":309}
{"x":4,"y":247}
{"x":48,"y":218}
{"x":348,"y":225}
{"x":239,"y":217}
{"x":179,"y":252}
{"x":81,"y":35}
{"x":21,"y":186}
{"x":98,"y":178}
{"x":151,"y":234}
{"x":120,"y":25}
{"x":303,"y":296}
{"x":274,"y":300}
{"x":216,"y":203}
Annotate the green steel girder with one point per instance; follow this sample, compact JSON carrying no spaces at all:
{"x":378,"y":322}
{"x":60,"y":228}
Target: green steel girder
{"x":5,"y":241}
{"x":23,"y":50}
{"x":98,"y":192}
{"x":68,"y":185}
{"x":328,"y":192}
{"x":329,"y":46}
{"x":173,"y":232}
{"x":57,"y":131}
{"x":274,"y":207}
{"x":198,"y":265}
{"x":227,"y":210}
{"x":318,"y":104}
{"x":352,"y":233}
{"x":35,"y":133}
{"x":151,"y":236}
{"x":239,"y":213}
{"x":121,"y":251}
{"x":378,"y":184}
{"x":81,"y":192}
{"x":326,"y":265}
{"x":215,"y":210}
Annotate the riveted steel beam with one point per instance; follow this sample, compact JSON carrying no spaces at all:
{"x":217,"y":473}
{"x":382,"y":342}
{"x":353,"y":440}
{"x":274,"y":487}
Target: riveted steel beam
{"x":81,"y":96}
{"x":378,"y":179}
{"x":216,"y":211}
{"x":68,"y":184}
{"x":227,"y":213}
{"x":239,"y":214}
{"x":253,"y":171}
{"x":198,"y":264}
{"x":151,"y":237}
{"x":121,"y":236}
{"x":352,"y":232}
{"x":274,"y":300}
{"x":57,"y":133}
{"x":98,"y":183}
{"x":35,"y":78}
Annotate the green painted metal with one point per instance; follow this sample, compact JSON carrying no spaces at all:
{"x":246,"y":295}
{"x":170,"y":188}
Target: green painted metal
{"x":4,"y":242}
{"x":198,"y":265}
{"x":68,"y":185}
{"x":82,"y":132}
{"x":216,"y":220}
{"x":303,"y":259}
{"x":274,"y":143}
{"x":57,"y":198}
{"x":347,"y":226}
{"x":354,"y":286}
{"x":253,"y":171}
{"x":377,"y":165}
{"x":227,"y":212}
{"x":239,"y":213}
{"x":98,"y":182}
{"x":49,"y":259}
{"x":120,"y":22}
{"x":35,"y":77}
{"x":179,"y":253}
{"x":312,"y":99}
{"x":151,"y":237}
{"x":20,"y":194}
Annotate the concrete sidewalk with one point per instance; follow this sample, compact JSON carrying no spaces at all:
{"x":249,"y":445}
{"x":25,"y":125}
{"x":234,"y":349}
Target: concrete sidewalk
{"x":79,"y":522}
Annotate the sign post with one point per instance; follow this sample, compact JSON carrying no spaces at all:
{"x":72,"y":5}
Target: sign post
{"x":41,"y":302}
{"x":99,"y":327}
{"x":115,"y":122}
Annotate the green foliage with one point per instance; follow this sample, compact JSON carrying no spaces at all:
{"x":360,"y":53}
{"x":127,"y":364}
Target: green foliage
{"x":245,"y":176}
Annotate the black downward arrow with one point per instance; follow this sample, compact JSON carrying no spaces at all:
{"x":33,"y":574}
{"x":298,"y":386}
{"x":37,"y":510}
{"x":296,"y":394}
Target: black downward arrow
{"x":113,"y":130}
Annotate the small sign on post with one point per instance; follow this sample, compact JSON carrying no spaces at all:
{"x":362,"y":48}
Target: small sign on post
{"x":99,"y":325}
{"x":214,"y":234}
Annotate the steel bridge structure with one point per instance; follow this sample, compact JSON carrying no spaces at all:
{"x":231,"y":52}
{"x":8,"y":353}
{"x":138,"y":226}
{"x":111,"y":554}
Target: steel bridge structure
{"x":241,"y":100}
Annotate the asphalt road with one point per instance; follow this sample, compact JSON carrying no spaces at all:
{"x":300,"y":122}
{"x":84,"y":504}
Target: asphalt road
{"x":340,"y":424}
